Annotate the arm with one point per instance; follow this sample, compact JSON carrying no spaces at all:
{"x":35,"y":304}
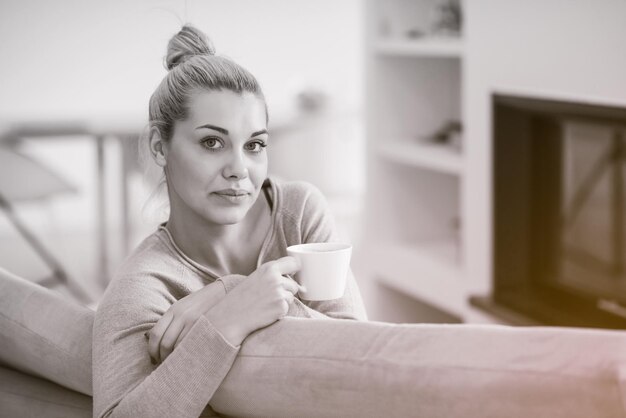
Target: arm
{"x":126,"y":383}
{"x":195,"y":339}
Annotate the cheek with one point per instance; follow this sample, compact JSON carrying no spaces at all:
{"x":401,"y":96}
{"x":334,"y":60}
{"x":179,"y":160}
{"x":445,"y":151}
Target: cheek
{"x":258,"y":170}
{"x":191,"y":173}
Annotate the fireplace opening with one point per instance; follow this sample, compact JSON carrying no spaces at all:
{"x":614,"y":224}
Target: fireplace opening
{"x":560,"y":211}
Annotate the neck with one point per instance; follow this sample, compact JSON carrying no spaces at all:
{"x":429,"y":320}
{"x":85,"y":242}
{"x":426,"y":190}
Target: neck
{"x":213,"y":244}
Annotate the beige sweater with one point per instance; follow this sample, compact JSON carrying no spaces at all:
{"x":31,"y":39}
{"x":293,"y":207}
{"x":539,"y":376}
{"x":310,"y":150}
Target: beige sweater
{"x":157,"y":274}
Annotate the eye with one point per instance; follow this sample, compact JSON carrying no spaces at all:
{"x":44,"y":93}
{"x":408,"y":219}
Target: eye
{"x":212,"y":143}
{"x":255,"y":146}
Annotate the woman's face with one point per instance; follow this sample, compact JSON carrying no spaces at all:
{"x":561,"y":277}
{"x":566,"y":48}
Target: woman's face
{"x":216,"y":160}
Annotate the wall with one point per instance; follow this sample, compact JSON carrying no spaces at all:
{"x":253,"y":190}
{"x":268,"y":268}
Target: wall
{"x":74,"y":58}
{"x":563,"y":49}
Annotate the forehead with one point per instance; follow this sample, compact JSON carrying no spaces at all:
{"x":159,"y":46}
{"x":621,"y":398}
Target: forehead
{"x":228,"y":108}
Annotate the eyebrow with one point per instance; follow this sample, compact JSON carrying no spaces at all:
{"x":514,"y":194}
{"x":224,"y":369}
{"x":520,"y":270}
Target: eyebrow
{"x":215,"y":128}
{"x":225,"y":131}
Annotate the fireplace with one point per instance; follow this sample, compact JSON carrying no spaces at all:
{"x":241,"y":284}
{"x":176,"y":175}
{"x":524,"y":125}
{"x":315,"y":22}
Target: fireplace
{"x":560,"y":211}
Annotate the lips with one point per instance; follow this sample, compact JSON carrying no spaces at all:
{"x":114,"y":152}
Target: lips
{"x":232,"y":192}
{"x":233,"y":196}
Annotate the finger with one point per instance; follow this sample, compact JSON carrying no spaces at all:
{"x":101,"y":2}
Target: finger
{"x":289,"y":297}
{"x":286,"y":303}
{"x":171,"y":335}
{"x":301,"y":287}
{"x":182,"y":335}
{"x":184,"y":332}
{"x":156,"y":334}
{"x":286,"y":265}
{"x":291,"y":285}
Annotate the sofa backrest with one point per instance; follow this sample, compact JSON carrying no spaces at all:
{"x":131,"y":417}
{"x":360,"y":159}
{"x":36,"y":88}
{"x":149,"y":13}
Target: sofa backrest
{"x":316,"y":367}
{"x":44,"y":334}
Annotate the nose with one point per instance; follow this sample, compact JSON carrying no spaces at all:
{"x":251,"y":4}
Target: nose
{"x":236,"y":167}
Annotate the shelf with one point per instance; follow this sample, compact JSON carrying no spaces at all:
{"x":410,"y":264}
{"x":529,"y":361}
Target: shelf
{"x":429,"y":156}
{"x":430,"y":273}
{"x":424,"y":47}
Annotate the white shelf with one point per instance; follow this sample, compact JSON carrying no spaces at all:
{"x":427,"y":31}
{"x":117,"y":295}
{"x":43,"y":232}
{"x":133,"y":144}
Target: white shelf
{"x":412,"y":83}
{"x":424,"y":47}
{"x":429,"y":272}
{"x":429,"y":156}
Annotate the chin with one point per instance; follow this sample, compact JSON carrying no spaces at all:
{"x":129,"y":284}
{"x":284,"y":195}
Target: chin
{"x":230,"y":217}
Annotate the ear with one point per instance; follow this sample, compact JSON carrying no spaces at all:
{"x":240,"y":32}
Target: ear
{"x":158,"y":148}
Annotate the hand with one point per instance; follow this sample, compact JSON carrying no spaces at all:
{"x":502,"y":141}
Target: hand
{"x":257,"y":302}
{"x":170,"y":330}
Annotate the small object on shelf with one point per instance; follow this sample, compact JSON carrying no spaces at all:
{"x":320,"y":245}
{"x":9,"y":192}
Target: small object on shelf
{"x":415,"y":33}
{"x":311,"y":100}
{"x":448,"y":134}
{"x":446,"y":18}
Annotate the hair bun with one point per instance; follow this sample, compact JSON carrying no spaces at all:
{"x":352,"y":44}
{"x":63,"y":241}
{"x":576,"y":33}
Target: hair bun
{"x":187,"y":43}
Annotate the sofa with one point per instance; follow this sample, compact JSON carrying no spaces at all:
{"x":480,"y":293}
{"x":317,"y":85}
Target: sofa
{"x":360,"y":369}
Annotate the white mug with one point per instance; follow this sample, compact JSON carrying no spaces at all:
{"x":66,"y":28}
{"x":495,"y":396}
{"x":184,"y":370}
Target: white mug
{"x":324,"y":269}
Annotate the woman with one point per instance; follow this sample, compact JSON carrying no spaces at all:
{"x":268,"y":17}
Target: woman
{"x":171,"y":322}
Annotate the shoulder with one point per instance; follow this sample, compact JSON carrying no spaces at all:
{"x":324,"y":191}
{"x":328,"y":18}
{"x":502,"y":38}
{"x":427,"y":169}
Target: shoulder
{"x":152,"y":256}
{"x":305,"y":211}
{"x":299,"y":198}
{"x":144,"y":275}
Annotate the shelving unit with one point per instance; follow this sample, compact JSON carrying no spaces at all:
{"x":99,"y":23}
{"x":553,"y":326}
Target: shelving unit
{"x":413,"y":202}
{"x":428,"y":272}
{"x":429,"y":47}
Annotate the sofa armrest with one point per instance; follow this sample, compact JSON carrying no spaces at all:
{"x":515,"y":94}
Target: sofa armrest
{"x":43,"y":334}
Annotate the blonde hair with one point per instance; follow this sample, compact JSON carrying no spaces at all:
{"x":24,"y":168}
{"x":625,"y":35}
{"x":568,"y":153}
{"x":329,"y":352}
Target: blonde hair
{"x":193,"y":66}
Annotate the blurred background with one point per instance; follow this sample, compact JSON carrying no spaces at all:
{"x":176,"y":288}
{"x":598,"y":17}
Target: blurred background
{"x":420,"y":120}
{"x":76,"y":82}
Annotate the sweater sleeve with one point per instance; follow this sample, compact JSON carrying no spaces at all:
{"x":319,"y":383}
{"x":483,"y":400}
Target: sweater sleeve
{"x":318,"y":225}
{"x":125,"y":382}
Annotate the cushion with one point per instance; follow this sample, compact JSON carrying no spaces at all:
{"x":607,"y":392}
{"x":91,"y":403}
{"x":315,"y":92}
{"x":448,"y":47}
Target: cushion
{"x":310,"y":367}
